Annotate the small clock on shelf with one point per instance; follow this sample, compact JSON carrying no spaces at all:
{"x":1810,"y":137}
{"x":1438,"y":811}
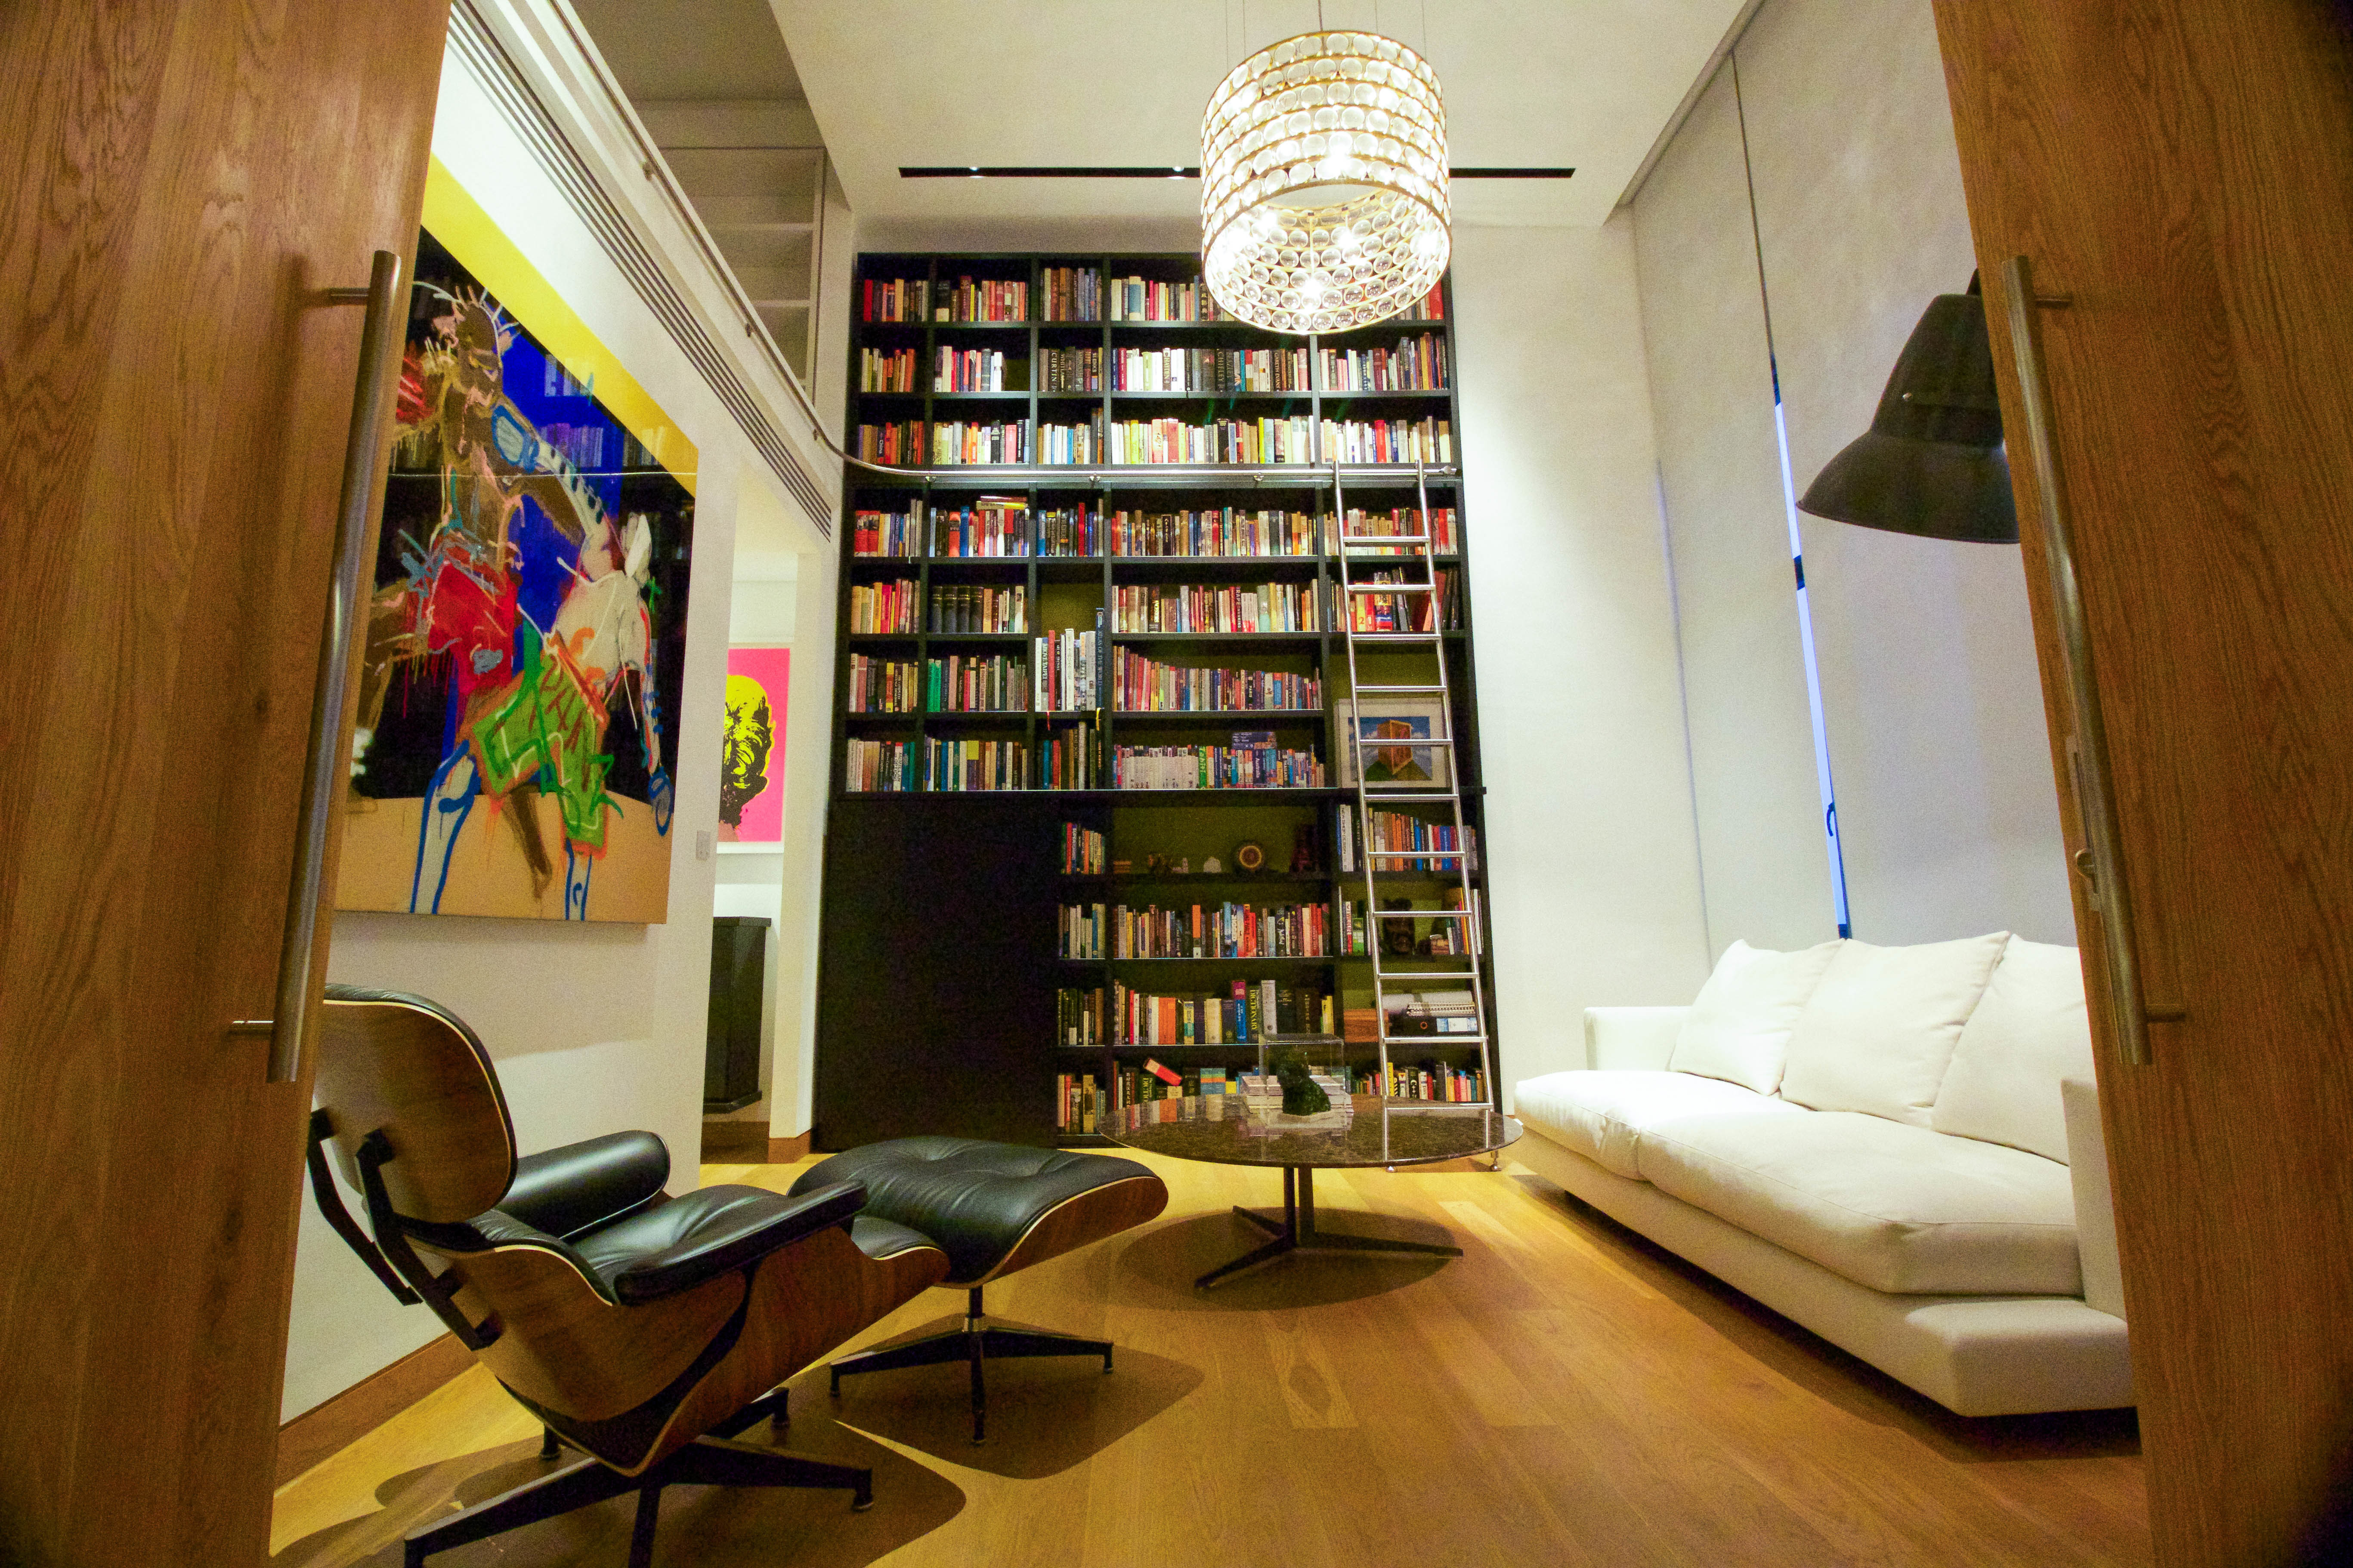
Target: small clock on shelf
{"x":1249,"y":856}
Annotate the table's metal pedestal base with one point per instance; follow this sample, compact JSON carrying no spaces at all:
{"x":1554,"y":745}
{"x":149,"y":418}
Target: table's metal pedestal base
{"x":1296,"y":1232}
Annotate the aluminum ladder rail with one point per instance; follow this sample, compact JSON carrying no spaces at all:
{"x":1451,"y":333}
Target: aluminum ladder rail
{"x":1467,"y":943}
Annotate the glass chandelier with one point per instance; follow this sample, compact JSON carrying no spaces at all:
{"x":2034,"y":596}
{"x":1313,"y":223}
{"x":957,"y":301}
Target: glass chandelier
{"x":1324,"y":202}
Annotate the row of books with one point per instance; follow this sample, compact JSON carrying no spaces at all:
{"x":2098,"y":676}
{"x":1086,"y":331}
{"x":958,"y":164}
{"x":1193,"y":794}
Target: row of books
{"x":1147,"y":441}
{"x":1210,"y":371}
{"x":1069,"y":370}
{"x":1085,"y":850}
{"x":1415,"y":364}
{"x":1228,"y":930}
{"x":1070,"y":757}
{"x":958,"y":766}
{"x":882,"y":686}
{"x":1404,"y":611}
{"x":1400,"y":842}
{"x":962,"y":683}
{"x":1081,"y":1111}
{"x":1245,"y":1015}
{"x":1213,"y":607}
{"x":979,"y":609}
{"x":881,"y":608}
{"x":1079,"y":930}
{"x":1142,"y":684}
{"x":1426,"y":440}
{"x":997,"y":525}
{"x":1069,"y":670}
{"x":1066,"y":294}
{"x":1077,"y":1101}
{"x":972,"y":370}
{"x":1070,"y":294}
{"x":1253,"y":763}
{"x":962,"y":443}
{"x":1156,"y":300}
{"x":886,"y":370}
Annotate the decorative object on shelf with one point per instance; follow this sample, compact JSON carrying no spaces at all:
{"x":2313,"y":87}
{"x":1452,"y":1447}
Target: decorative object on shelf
{"x":1397,"y":937}
{"x":752,"y":761}
{"x":525,"y":642}
{"x":1932,"y":462}
{"x":1123,"y":868}
{"x":1385,"y":731}
{"x":1156,"y":865}
{"x":1304,"y":845}
{"x":1324,"y":183}
{"x":1301,"y":1095}
{"x":1248,"y":855}
{"x":1183,"y":867}
{"x":1212,"y":867}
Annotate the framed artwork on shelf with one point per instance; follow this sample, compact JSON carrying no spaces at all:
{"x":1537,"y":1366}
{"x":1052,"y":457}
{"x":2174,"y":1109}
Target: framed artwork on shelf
{"x":752,"y":763}
{"x":1386,"y":730}
{"x":515,"y":750}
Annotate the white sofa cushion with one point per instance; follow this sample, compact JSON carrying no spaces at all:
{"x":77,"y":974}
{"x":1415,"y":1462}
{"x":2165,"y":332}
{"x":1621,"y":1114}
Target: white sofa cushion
{"x":2029,"y":1032}
{"x":1879,"y":1030}
{"x":1891,"y":1208}
{"x":1739,"y":1027}
{"x":1601,"y":1115}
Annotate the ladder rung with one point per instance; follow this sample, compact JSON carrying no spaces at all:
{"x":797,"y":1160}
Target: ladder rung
{"x":1392,"y":588}
{"x":1400,"y":690}
{"x":1373,"y":742}
{"x":1413,"y":854}
{"x":1423,"y":1039}
{"x":1385,"y":539}
{"x":1392,"y":636}
{"x":1420,"y":915}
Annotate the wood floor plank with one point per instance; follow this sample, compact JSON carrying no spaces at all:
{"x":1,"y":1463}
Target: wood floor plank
{"x":1562,"y":1394}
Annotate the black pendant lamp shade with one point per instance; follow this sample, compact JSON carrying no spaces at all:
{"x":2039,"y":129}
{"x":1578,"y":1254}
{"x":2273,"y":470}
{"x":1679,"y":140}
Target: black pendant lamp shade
{"x":1932,"y":462}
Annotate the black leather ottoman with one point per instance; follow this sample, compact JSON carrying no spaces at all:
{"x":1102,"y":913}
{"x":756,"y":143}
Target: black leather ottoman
{"x":994,"y":1208}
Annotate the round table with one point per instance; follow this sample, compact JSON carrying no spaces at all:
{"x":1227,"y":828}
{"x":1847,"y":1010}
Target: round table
{"x":1218,"y":1130}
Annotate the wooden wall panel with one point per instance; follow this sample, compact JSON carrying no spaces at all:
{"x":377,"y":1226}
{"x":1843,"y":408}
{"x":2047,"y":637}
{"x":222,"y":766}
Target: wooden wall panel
{"x":175,"y":397}
{"x":2181,"y":170}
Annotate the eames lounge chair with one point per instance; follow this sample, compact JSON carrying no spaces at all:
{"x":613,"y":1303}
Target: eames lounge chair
{"x":642,"y":1330}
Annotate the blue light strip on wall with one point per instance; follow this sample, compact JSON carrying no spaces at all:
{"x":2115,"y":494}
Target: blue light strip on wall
{"x":1814,"y":671}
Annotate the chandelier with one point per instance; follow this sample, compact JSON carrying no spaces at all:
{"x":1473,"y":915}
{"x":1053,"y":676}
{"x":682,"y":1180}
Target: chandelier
{"x":1324,"y":202}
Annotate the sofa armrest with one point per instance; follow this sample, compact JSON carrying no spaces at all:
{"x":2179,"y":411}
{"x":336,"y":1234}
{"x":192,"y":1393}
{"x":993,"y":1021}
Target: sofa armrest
{"x":2095,"y":1214}
{"x":1631,"y":1037}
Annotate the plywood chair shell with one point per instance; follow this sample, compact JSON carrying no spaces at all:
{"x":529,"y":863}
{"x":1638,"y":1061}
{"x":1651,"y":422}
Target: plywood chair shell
{"x":564,"y":1346}
{"x":1083,"y":1219}
{"x":402,"y":1067}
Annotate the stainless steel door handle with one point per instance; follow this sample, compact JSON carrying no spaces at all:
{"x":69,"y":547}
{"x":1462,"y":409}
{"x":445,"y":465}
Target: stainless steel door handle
{"x":2101,"y":861}
{"x":381,"y":338}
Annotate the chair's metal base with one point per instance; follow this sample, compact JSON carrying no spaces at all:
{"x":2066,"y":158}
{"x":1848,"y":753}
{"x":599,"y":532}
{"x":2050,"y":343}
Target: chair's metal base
{"x":1296,"y":1232}
{"x":705,"y":1462}
{"x":974,"y":1343}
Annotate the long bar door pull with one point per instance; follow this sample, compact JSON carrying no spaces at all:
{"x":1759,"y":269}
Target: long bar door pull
{"x":2101,"y":862}
{"x":381,"y":338}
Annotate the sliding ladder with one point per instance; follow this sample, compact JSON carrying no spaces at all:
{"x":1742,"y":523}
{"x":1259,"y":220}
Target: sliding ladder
{"x":1436,"y":756}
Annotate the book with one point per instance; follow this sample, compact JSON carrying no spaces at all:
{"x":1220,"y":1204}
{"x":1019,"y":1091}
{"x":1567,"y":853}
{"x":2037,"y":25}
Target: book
{"x":1083,"y":850}
{"x":992,"y":526}
{"x":972,"y":764}
{"x":961,"y":683}
{"x":1414,"y":365}
{"x":1143,"y":685}
{"x":882,"y":608}
{"x":977,"y":609}
{"x":882,"y":686}
{"x":1212,"y":371}
{"x":1233,"y":929}
{"x":1220,"y":607}
{"x":888,"y":533}
{"x":1070,"y":294}
{"x":1285,"y":439}
{"x":1426,"y":440}
{"x":1216,"y":767}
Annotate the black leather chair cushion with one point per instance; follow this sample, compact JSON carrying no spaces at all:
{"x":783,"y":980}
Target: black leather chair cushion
{"x":882,"y":1239}
{"x":678,"y":1245}
{"x":978,"y":1200}
{"x":568,"y":1191}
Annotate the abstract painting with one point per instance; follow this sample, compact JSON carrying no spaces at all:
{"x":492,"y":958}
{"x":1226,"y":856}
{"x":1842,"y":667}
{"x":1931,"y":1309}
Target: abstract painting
{"x":752,"y":767}
{"x":1386,"y":729}
{"x":515,"y":746}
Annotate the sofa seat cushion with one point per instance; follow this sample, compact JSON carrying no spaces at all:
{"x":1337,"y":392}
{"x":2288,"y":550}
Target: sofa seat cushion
{"x":1602,"y":1115}
{"x":1890,"y":1206}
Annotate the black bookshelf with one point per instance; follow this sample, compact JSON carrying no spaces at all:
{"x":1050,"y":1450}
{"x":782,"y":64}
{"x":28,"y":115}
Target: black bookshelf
{"x":938,"y":972}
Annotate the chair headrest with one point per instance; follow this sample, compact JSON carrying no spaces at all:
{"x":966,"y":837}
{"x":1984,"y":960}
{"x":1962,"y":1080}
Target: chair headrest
{"x":410,"y":1069}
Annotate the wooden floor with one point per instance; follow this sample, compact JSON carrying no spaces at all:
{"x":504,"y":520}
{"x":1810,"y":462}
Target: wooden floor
{"x":1563,"y":1393}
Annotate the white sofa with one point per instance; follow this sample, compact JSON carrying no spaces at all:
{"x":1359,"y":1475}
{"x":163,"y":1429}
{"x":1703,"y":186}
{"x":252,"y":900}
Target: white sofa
{"x":1897,"y":1147}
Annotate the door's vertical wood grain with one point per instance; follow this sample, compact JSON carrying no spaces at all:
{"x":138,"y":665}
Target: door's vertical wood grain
{"x":173,"y":396}
{"x":2181,"y":172}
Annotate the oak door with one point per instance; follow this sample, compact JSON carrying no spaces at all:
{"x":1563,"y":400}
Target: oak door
{"x":2183,"y":173}
{"x":175,"y":396}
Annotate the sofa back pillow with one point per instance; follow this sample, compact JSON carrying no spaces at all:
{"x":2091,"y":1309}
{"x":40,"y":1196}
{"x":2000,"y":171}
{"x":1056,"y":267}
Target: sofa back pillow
{"x":1879,"y":1031}
{"x":2029,"y":1032}
{"x":1738,"y":1027}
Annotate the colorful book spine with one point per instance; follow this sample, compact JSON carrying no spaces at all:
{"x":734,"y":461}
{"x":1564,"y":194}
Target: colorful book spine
{"x":953,"y":766}
{"x":962,"y":683}
{"x":1426,"y":440}
{"x":1211,"y":607}
{"x":888,"y":533}
{"x":1216,"y":767}
{"x":879,"y":767}
{"x":882,"y":685}
{"x":993,"y":526}
{"x":1230,"y":929}
{"x":882,"y":608}
{"x":1142,"y":684}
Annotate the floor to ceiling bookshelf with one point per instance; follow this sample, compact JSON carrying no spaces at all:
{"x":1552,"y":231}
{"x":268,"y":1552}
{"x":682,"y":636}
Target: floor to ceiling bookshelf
{"x":945,"y":997}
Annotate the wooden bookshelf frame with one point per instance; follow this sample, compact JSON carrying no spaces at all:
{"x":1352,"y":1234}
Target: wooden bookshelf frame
{"x":874,"y":953}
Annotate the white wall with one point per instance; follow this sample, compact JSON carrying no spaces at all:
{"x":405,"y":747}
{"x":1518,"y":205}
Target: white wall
{"x":593,"y":1027}
{"x":1946,"y":804}
{"x":1946,"y":809}
{"x":1592,"y":858}
{"x":1763,"y":850}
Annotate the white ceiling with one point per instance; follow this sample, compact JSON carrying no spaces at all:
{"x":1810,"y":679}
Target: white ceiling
{"x":1584,"y":83}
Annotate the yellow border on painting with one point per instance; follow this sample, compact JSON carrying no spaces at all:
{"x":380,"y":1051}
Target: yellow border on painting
{"x":456,"y":219}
